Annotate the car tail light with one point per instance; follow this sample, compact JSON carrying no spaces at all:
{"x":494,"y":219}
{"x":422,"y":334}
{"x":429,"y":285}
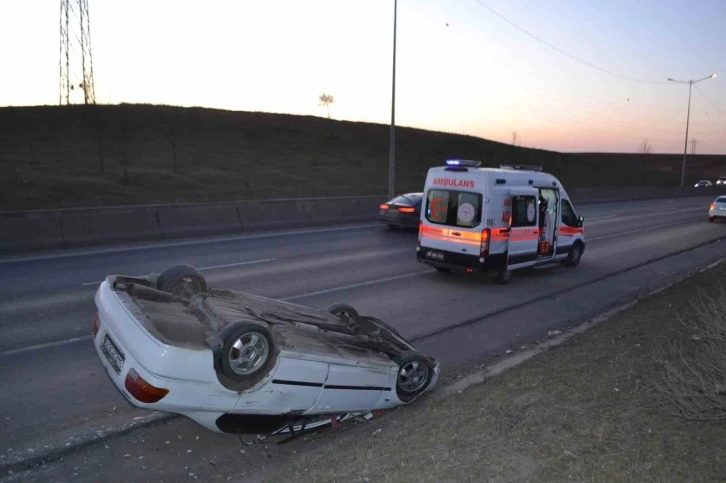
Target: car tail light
{"x":384,"y":206}
{"x":407,"y":210}
{"x":96,"y":325}
{"x":485,"y":237}
{"x":142,"y":390}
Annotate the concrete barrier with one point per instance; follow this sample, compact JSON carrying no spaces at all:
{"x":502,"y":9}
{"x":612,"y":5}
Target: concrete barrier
{"x":50,"y":229}
{"x":104,"y":226}
{"x":21,"y":231}
{"x":272,"y":214}
{"x":191,"y":220}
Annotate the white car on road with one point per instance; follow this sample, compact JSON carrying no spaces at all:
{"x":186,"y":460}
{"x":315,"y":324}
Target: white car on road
{"x":717,"y":209}
{"x":241,"y":363}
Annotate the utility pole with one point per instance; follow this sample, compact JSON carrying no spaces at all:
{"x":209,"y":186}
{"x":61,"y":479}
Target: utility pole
{"x":693,"y":146}
{"x":688,"y":118}
{"x":392,"y":147}
{"x":75,"y":36}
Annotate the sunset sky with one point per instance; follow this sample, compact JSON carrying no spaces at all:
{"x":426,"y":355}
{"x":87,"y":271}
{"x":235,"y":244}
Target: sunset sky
{"x":460,"y":67}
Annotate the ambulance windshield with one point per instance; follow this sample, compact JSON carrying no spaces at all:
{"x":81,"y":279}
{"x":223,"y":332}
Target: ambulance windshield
{"x":453,"y":208}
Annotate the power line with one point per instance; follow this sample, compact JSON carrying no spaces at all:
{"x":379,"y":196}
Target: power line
{"x":709,"y":101}
{"x":577,"y":59}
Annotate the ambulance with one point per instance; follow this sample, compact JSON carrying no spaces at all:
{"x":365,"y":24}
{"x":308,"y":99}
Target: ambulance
{"x":496,"y":220}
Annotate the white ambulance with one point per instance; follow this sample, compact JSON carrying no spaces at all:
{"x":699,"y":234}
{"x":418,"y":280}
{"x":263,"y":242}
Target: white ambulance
{"x":475,"y":219}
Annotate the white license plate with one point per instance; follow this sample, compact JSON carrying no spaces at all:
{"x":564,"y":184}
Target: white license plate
{"x":114,"y":356}
{"x":434,"y":255}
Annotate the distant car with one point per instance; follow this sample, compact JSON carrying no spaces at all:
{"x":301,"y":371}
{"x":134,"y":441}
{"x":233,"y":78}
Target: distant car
{"x":721,"y":180}
{"x":717,"y":209}
{"x":403,"y":211}
{"x":703,"y":183}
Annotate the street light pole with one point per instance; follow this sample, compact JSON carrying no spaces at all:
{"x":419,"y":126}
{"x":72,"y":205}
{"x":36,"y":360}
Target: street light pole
{"x":688,"y":118}
{"x":392,"y":147}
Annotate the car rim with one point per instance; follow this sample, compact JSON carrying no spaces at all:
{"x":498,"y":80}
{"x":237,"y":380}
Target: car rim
{"x":578,"y":254}
{"x":187,"y":285}
{"x":413,"y":376}
{"x":248,"y":353}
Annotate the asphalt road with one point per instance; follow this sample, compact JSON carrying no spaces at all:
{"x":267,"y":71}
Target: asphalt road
{"x":54,"y":389}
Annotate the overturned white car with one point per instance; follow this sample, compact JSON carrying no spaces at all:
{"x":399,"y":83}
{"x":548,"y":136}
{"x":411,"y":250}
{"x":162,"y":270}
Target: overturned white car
{"x":240,"y":363}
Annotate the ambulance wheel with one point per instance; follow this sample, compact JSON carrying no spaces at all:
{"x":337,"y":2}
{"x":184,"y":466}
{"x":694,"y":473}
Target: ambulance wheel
{"x":573,"y":259}
{"x":504,"y":276}
{"x":247,"y":353}
{"x":414,"y":375}
{"x":181,"y":280}
{"x":443,"y":270}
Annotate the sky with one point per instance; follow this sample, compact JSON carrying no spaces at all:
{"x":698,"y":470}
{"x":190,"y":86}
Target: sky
{"x":461,"y":65}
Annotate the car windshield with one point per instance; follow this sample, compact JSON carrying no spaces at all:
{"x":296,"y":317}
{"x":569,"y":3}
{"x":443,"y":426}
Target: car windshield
{"x":453,"y":208}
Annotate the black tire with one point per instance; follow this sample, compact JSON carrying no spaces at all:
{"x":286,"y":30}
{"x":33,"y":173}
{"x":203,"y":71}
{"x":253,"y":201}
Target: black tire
{"x":408,"y":392}
{"x":347,"y":314}
{"x":443,"y":270}
{"x":265,"y":344}
{"x":339,"y":309}
{"x":181,"y":280}
{"x":504,"y":276}
{"x":573,"y":259}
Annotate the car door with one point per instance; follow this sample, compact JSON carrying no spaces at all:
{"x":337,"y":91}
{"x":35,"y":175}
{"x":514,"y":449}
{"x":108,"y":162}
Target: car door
{"x":569,"y":228}
{"x":451,"y":221}
{"x":524,"y":234}
{"x":353,"y":388}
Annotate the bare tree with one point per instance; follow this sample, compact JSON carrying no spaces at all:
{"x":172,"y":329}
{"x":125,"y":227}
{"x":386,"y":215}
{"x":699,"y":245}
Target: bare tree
{"x":326,"y":100}
{"x":645,"y":147}
{"x":514,"y":138}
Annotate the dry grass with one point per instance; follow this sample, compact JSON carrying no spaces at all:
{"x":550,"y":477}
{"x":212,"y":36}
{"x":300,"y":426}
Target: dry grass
{"x":693,"y":380}
{"x":75,"y":156}
{"x":585,"y":411}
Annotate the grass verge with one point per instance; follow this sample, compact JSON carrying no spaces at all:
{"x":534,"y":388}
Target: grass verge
{"x":588,"y":410}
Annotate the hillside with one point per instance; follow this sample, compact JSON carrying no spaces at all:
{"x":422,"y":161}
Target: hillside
{"x":53,"y":157}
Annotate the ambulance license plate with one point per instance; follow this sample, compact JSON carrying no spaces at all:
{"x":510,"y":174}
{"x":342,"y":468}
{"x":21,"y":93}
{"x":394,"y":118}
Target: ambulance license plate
{"x":114,"y":356}
{"x":434,"y":255}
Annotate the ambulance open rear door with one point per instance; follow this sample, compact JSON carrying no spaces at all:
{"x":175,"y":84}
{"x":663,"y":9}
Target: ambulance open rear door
{"x":524,"y":226}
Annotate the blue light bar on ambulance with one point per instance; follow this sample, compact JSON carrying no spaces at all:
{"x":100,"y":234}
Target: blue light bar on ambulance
{"x":464,"y":163}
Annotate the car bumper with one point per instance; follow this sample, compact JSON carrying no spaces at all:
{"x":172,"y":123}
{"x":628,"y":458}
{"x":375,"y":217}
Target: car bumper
{"x":457,"y":262}
{"x":397,"y":218}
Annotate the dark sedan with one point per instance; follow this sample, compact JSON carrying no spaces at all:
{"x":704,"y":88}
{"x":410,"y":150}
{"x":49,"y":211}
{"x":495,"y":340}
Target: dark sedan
{"x":403,"y":211}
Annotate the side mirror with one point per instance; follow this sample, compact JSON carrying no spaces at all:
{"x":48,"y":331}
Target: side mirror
{"x":580,"y":220}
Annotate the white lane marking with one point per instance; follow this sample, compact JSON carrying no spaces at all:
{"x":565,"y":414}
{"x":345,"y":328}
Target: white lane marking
{"x":45,"y":346}
{"x":166,"y":244}
{"x":213,"y":267}
{"x":355,"y":285}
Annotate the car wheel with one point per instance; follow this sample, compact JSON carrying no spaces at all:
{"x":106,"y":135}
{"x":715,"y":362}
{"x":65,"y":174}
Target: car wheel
{"x":181,"y":280}
{"x":711,"y":218}
{"x":504,"y":276}
{"x":573,"y":259}
{"x":443,"y":270}
{"x":347,"y":314}
{"x":414,"y":375}
{"x":247,"y":353}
